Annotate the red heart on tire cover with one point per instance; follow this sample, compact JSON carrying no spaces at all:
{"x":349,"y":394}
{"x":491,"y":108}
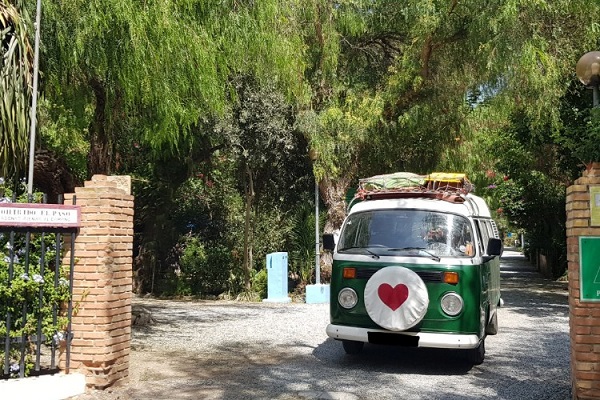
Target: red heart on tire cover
{"x":393,"y":297}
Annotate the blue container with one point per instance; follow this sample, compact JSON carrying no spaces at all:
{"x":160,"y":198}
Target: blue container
{"x":277,"y":278}
{"x":317,"y":294}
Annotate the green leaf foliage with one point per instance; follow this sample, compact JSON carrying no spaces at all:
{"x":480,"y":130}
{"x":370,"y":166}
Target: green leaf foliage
{"x":29,"y":283}
{"x":165,"y":65}
{"x":164,"y":90}
{"x":16,"y":76}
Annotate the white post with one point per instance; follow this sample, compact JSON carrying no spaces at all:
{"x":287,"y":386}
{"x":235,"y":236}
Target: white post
{"x":317,"y":293}
{"x":317,"y":241}
{"x":36,"y":62}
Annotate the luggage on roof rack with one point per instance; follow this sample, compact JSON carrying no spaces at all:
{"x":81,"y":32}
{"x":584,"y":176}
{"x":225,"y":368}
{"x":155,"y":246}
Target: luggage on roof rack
{"x":391,"y":181}
{"x":449,"y":181}
{"x":446,"y":186}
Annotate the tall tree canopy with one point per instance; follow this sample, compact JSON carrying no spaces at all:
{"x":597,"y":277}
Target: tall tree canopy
{"x":154,"y":70}
{"x":423,"y":67}
{"x":145,"y":88}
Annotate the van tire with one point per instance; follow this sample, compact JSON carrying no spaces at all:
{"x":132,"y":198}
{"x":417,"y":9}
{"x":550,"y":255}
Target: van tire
{"x":492,"y":326}
{"x":352,"y":346}
{"x":477,"y":355}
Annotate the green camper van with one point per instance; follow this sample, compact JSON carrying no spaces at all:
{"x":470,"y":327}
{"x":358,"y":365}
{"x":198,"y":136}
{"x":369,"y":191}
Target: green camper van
{"x":416,"y":263}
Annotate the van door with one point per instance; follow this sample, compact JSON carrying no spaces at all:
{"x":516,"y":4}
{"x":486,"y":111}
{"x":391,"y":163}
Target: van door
{"x":490,"y":273}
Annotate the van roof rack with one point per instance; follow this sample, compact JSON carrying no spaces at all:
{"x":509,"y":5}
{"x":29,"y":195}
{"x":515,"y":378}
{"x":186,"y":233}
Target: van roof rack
{"x":447,"y":186}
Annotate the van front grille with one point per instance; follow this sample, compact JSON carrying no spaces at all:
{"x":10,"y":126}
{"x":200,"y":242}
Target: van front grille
{"x":426,"y":276}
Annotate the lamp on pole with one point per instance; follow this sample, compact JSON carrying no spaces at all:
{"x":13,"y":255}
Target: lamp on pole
{"x":36,"y":62}
{"x":588,"y":72}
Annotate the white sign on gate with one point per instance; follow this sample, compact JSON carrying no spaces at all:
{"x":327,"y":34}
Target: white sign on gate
{"x":39,"y":215}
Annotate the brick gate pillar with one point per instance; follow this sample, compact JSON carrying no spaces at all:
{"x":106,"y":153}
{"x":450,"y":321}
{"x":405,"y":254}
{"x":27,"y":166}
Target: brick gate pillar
{"x":102,"y":281}
{"x":584,"y":313}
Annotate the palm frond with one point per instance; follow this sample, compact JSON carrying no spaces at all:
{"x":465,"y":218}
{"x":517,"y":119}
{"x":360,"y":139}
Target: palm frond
{"x":16,"y":76}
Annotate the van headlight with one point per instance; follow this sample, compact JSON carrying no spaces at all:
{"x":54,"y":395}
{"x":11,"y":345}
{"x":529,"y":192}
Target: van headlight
{"x":452,"y":304}
{"x":347,"y":298}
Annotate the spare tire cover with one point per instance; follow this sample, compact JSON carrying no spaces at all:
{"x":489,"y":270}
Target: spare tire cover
{"x":396,"y":298}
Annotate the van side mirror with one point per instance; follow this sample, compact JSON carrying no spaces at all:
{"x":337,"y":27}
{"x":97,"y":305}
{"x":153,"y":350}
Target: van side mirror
{"x":494,"y":247}
{"x":328,"y":241}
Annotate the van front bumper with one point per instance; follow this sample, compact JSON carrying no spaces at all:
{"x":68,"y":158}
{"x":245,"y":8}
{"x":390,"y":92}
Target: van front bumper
{"x":425,"y":339}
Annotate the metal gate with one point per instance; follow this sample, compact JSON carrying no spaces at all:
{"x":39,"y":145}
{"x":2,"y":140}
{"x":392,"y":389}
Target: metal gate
{"x":35,"y":291}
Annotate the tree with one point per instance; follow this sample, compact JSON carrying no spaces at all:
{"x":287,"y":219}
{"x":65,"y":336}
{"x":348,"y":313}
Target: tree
{"x":143,"y":82}
{"x":375,"y":87}
{"x":530,"y":124}
{"x":265,"y":144}
{"x":152,"y":71}
{"x":530,"y":186}
{"x":341,"y":110}
{"x":419,"y":62}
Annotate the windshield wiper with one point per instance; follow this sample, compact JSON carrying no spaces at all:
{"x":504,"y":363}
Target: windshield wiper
{"x":375,"y":255}
{"x":424,"y":250}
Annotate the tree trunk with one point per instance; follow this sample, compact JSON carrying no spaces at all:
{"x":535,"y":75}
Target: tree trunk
{"x":100,"y":155}
{"x":145,"y":261}
{"x":52,"y":175}
{"x":333,"y":194}
{"x":247,"y":262}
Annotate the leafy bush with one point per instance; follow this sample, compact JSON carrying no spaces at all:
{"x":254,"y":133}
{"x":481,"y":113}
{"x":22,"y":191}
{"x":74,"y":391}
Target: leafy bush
{"x":302,"y":255}
{"x":34,"y":287}
{"x":204,"y":268}
{"x":535,"y":203}
{"x":260,"y":283}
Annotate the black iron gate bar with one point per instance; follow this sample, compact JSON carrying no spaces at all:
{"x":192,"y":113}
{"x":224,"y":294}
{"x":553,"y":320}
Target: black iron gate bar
{"x":39,"y":338}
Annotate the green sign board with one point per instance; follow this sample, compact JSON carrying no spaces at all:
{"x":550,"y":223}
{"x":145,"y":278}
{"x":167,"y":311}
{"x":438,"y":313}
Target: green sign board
{"x":589,"y":268}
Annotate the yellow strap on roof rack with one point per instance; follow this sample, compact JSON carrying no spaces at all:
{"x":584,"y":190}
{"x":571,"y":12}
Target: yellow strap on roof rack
{"x":446,"y":177}
{"x":448,"y":181}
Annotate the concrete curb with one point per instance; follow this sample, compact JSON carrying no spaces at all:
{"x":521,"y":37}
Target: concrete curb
{"x":48,"y":387}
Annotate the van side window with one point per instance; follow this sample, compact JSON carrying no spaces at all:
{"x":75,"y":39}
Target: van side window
{"x":495,"y":229}
{"x":483,"y":235}
{"x":488,"y":229}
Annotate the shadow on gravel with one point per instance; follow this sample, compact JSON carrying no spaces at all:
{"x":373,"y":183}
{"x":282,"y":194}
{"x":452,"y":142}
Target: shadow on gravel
{"x":236,"y":375}
{"x":278,"y":372}
{"x":526,"y":291}
{"x":394,"y":359}
{"x":535,"y":304}
{"x":258,"y":371}
{"x":541,"y":358}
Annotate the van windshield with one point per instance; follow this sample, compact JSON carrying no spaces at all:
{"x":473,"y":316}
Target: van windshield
{"x":411,"y":232}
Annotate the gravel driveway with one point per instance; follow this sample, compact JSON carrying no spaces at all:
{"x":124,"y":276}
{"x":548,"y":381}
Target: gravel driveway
{"x":232,"y":350}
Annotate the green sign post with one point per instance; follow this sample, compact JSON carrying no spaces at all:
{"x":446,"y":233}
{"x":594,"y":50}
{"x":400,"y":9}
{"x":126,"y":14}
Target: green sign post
{"x":589,"y":268}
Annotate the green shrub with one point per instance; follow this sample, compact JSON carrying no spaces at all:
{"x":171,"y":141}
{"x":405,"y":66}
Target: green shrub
{"x":25,"y":286}
{"x":205,"y":268}
{"x":260,"y":283}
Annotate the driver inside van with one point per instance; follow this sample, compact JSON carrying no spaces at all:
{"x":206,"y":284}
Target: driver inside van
{"x":436,"y":234}
{"x":436,"y":239}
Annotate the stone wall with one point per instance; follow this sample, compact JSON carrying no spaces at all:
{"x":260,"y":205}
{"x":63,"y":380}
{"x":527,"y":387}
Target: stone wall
{"x":102,"y":281}
{"x":584,"y":315}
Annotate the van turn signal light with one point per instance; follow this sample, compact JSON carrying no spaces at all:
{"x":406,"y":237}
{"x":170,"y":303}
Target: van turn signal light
{"x":451,"y":277}
{"x":349,"y":273}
